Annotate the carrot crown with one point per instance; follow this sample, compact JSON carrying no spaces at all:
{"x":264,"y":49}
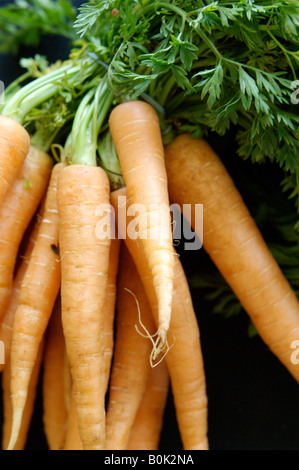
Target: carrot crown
{"x":87,"y":124}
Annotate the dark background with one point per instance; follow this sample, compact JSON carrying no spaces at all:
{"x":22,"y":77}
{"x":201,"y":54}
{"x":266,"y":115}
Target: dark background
{"x":253,"y":400}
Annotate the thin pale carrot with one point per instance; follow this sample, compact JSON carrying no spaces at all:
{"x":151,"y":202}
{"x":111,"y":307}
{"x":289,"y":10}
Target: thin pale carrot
{"x":39,"y":291}
{"x":14,"y":145}
{"x":184,"y":358}
{"x":29,"y":407}
{"x":148,"y":424}
{"x":235,"y":244}
{"x":131,"y":360}
{"x":84,"y":271}
{"x":54,"y":404}
{"x":6,"y":326}
{"x":16,"y":211}
{"x":136,"y":134}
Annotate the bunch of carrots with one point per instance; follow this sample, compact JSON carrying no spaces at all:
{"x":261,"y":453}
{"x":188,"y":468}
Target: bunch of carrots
{"x":108,"y":317}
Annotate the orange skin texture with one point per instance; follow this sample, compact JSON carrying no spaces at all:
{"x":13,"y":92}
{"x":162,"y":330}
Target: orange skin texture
{"x":72,"y":439}
{"x":29,"y":407}
{"x":136,"y":134}
{"x":84,"y":272}
{"x":14,"y":145}
{"x":39,"y":291}
{"x":184,"y":359}
{"x":109,"y":306}
{"x":131,"y":362}
{"x":16,"y":212}
{"x":54,"y":403}
{"x":6,"y":326}
{"x":147,"y":427}
{"x":235,"y":244}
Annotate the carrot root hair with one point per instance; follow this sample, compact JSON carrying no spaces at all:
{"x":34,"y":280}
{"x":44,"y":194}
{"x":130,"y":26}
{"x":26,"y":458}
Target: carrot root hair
{"x":159,"y":345}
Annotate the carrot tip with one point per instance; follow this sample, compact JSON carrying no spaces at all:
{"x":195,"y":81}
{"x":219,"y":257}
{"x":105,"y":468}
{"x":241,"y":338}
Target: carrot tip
{"x":160,"y":346}
{"x":16,"y":425}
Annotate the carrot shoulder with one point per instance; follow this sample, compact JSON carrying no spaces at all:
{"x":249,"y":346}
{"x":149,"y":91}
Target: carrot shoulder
{"x":14,"y":146}
{"x":136,"y":134}
{"x":84,"y":269}
{"x":235,"y":244}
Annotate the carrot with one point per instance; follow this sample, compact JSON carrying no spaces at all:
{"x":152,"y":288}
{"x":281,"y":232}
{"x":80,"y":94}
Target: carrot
{"x":39,"y":291}
{"x":6,"y":326}
{"x":84,"y":271}
{"x":16,"y":212}
{"x":109,"y":306}
{"x":54,"y":403}
{"x":72,"y":439}
{"x":29,"y":407}
{"x":184,"y":358}
{"x":135,"y":131}
{"x":147,"y":427}
{"x":234,"y":243}
{"x":14,"y":145}
{"x":131,"y":363}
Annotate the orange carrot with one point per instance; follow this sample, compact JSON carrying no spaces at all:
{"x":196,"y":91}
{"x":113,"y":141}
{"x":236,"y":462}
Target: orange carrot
{"x":147,"y":427}
{"x":14,"y":145}
{"x":184,"y":359}
{"x":234,"y":243}
{"x":16,"y":212}
{"x":29,"y":407}
{"x":84,"y":271}
{"x":6,"y":326}
{"x":39,"y":291}
{"x":54,"y":404}
{"x":131,"y":365}
{"x":135,"y":131}
{"x":109,"y":306}
{"x":72,"y":439}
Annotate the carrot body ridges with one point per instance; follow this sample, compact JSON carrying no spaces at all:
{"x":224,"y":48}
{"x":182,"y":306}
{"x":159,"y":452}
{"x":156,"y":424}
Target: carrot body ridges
{"x":84,"y":270}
